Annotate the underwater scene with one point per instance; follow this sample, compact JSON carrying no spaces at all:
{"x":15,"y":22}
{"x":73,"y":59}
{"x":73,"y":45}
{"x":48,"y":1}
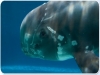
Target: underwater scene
{"x":49,"y":37}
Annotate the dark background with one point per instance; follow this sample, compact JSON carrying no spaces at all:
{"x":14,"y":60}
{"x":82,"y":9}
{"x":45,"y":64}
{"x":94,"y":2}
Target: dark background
{"x":12,"y":58}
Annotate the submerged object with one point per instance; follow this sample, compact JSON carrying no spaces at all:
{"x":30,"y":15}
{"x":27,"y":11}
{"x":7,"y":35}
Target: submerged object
{"x":60,"y":30}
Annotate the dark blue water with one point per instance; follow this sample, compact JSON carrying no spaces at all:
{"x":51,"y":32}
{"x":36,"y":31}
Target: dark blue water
{"x":13,"y":59}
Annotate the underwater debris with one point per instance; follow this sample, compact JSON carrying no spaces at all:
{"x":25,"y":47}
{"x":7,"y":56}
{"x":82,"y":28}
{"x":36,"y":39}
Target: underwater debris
{"x":60,"y":37}
{"x":74,"y":42}
{"x":51,"y":30}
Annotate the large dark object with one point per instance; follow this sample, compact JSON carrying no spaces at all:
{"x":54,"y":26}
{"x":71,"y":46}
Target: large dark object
{"x":62,"y":30}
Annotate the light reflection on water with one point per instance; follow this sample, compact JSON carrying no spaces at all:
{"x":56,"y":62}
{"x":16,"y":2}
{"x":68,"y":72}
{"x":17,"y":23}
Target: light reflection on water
{"x":37,"y":69}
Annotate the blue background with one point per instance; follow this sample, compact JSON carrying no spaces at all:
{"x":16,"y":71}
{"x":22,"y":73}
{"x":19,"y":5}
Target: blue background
{"x":13,"y":59}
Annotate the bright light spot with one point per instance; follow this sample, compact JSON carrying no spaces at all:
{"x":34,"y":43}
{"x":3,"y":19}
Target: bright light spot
{"x":45,"y":8}
{"x":60,"y":37}
{"x":82,"y":5}
{"x":51,"y":30}
{"x":64,"y":57}
{"x":71,"y":8}
{"x":27,"y":36}
{"x":45,"y":14}
{"x":48,"y":18}
{"x":74,"y":42}
{"x":44,"y":3}
{"x":86,"y":47}
{"x":86,"y":69}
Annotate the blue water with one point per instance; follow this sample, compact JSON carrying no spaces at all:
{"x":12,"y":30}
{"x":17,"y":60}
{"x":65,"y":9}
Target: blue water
{"x":13,"y":59}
